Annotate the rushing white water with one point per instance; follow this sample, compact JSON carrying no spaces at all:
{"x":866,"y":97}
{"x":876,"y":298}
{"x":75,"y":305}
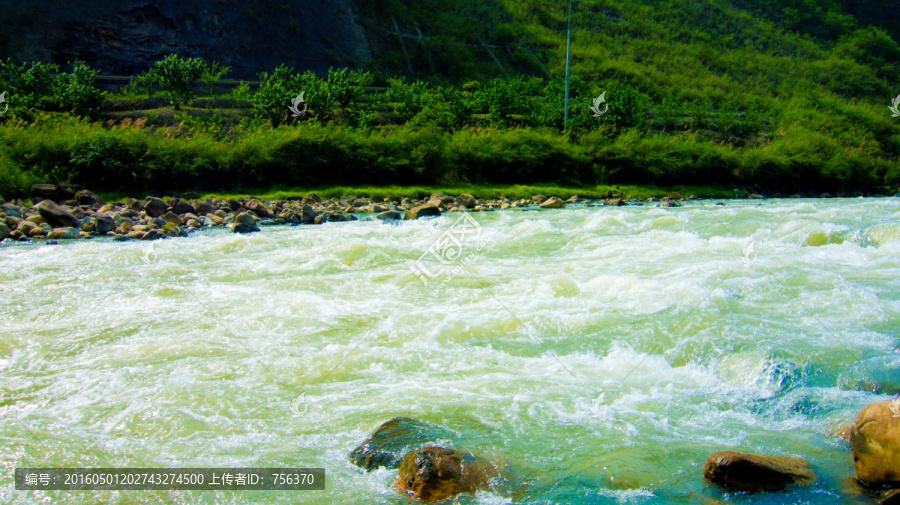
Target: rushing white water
{"x":602,"y":354}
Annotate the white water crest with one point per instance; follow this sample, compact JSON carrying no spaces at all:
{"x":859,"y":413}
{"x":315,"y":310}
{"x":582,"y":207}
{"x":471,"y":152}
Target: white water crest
{"x":602,"y":353}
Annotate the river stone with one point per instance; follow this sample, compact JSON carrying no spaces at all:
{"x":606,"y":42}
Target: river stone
{"x":62,"y":233}
{"x":43,"y":192}
{"x":56,"y":215}
{"x":245,"y":218}
{"x":181,"y":207}
{"x":307,"y":215}
{"x":203,"y":208}
{"x":742,"y":472}
{"x":243,"y":228}
{"x":422,"y":211}
{"x":152,"y":235}
{"x":388,"y":215}
{"x":257,"y":207}
{"x":154,"y":207}
{"x":553,"y":203}
{"x":171,"y":217}
{"x":85,"y":197}
{"x":4,"y":231}
{"x":394,"y":439}
{"x":37,"y":231}
{"x":435,"y":474}
{"x":875,"y":440}
{"x":26,"y":226}
{"x":468,"y":201}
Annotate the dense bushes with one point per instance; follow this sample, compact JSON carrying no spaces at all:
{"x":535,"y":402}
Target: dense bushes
{"x":33,"y":86}
{"x":134,"y":158}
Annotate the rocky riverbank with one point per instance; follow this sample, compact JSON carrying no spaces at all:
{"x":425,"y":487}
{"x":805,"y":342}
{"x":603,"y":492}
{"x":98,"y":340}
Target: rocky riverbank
{"x":61,"y":212}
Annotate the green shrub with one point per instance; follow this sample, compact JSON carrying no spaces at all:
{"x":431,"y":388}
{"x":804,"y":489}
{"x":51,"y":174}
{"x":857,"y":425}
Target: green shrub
{"x":176,"y":76}
{"x":275,"y":94}
{"x":212,"y":74}
{"x":28,"y":86}
{"x":14,"y":181}
{"x":77,"y":93}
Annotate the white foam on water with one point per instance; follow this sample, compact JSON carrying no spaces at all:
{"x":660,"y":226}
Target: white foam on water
{"x":627,"y":332}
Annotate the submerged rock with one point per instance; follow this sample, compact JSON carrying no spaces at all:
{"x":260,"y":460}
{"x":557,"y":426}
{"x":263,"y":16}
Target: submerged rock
{"x":434,"y":474}
{"x":875,"y":440}
{"x":735,"y":471}
{"x":394,"y":439}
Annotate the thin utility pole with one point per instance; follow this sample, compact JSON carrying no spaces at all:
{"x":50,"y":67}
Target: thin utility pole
{"x":568,"y":64}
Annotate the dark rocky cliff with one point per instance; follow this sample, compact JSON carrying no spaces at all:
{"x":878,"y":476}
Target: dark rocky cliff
{"x":127,"y":36}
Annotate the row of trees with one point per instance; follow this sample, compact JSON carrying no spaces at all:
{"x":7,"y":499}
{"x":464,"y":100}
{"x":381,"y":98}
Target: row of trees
{"x":341,"y":98}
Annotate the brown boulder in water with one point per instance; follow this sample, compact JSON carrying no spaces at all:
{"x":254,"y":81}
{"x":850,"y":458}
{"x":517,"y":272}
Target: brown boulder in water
{"x":394,"y":439}
{"x":435,"y":474}
{"x":875,"y":440}
{"x":735,"y":471}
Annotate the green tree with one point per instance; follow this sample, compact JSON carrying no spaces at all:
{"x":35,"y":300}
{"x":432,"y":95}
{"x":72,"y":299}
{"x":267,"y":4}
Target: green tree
{"x":212,"y":74}
{"x":275,"y":94}
{"x":29,"y":86}
{"x":76,"y":92}
{"x":176,"y":76}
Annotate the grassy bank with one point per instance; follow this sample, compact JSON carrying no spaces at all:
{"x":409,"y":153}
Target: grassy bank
{"x":486,"y":191}
{"x":131,"y":157}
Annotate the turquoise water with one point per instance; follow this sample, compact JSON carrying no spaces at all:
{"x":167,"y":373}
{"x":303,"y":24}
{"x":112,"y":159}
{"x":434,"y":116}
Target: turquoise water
{"x":601,"y":354}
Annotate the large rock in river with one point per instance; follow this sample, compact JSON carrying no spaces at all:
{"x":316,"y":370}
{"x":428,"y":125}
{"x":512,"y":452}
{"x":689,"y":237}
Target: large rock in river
{"x":435,"y":474}
{"x":875,"y":440}
{"x":56,"y":215}
{"x":395,"y":439}
{"x":737,"y":471}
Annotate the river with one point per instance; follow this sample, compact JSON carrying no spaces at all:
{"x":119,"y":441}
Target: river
{"x":600,"y":353}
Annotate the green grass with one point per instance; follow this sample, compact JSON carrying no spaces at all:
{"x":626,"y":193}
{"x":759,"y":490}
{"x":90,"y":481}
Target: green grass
{"x":481,"y":191}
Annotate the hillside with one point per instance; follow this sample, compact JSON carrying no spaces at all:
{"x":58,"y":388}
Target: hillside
{"x":786,"y":94}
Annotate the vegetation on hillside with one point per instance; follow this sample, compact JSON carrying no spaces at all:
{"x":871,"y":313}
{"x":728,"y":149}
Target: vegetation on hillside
{"x":785,"y":94}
